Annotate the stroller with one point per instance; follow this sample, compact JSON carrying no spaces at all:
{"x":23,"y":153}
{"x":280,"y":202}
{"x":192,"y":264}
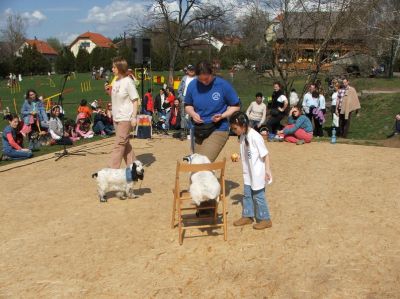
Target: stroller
{"x":159,"y":124}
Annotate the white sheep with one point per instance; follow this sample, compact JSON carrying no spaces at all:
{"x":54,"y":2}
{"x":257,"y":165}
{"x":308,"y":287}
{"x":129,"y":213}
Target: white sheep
{"x":204,"y":185}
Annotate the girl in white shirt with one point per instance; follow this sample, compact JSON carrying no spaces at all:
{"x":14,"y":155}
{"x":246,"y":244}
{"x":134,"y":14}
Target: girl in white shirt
{"x":256,"y":172}
{"x":124,"y":98}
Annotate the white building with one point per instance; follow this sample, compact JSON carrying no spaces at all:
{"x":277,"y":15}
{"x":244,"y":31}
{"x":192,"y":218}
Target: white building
{"x":89,"y":41}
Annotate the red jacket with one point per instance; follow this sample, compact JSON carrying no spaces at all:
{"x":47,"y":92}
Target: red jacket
{"x":149,"y":102}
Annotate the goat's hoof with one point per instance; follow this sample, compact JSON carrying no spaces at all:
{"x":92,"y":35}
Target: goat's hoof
{"x":103,"y":199}
{"x":122,"y":197}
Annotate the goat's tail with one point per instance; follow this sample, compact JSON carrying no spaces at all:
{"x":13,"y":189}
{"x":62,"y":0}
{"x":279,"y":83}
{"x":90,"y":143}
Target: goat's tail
{"x":94,"y":175}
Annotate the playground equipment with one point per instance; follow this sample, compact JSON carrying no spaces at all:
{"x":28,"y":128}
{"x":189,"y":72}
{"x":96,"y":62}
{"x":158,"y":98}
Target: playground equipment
{"x":15,"y":88}
{"x":49,"y":102}
{"x":158,"y":79}
{"x":86,"y":86}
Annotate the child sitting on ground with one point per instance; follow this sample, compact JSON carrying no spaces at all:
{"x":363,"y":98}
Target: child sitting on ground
{"x":83,"y":108}
{"x":83,"y":126}
{"x":12,"y":148}
{"x":256,"y":172}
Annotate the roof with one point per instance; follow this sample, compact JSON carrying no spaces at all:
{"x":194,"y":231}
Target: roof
{"x":315,"y":25}
{"x":41,"y":46}
{"x":100,"y":40}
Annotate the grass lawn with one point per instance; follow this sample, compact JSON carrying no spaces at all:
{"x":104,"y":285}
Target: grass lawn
{"x":376,"y":119}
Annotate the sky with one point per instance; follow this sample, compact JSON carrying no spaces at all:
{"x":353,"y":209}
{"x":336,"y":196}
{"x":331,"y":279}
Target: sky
{"x":66,"y":20}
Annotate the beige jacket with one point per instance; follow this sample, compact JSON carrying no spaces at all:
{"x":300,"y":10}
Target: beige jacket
{"x":350,"y":102}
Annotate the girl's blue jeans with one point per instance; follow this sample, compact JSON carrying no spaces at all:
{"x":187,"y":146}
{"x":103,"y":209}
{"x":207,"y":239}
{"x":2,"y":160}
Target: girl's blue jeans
{"x":255,"y":204}
{"x":17,"y":155}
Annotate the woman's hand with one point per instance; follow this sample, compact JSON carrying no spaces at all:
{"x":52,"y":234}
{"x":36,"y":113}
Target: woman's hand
{"x":279,"y":132}
{"x":196,"y":118}
{"x":25,"y":149}
{"x":133,"y":122}
{"x":217,"y":117}
{"x":268,"y":176}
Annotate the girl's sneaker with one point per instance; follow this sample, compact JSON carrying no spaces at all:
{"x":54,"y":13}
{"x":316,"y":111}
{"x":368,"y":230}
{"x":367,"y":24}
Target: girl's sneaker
{"x":278,"y":138}
{"x":300,"y":142}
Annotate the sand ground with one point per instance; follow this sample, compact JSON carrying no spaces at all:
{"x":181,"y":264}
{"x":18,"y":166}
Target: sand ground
{"x":335,"y":234}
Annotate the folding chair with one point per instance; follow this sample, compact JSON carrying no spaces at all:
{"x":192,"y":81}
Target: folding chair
{"x":182,"y":201}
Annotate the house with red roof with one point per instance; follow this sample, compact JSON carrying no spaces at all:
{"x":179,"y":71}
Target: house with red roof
{"x":89,"y":41}
{"x":43,"y":48}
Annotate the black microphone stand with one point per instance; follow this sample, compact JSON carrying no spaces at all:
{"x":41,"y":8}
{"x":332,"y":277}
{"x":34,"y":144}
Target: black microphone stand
{"x":64,"y":153}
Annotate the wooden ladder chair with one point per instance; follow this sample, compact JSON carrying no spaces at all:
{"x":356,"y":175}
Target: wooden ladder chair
{"x":182,"y":200}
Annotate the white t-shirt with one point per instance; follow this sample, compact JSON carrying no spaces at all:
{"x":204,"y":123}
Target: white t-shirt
{"x":122,"y":94}
{"x":252,"y":160}
{"x":187,"y":82}
{"x":334,"y":98}
{"x":321,"y":102}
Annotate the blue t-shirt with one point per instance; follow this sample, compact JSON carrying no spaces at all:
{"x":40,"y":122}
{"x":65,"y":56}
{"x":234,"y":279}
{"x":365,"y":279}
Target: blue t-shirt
{"x":6,"y":145}
{"x":208,"y":100}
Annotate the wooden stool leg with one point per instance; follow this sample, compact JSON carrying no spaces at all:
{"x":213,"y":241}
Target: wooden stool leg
{"x":173,"y":213}
{"x":180,"y":222}
{"x":224,"y":219}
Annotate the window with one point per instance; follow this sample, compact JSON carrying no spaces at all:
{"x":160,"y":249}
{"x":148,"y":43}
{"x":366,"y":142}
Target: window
{"x":85,"y":45}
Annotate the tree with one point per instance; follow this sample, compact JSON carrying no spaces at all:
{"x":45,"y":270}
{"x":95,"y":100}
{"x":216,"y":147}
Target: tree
{"x":55,"y":43}
{"x":65,"y":61}
{"x":325,"y":25}
{"x":177,"y":22}
{"x":382,"y":18}
{"x":31,"y":62}
{"x":13,"y":34}
{"x":82,"y":61}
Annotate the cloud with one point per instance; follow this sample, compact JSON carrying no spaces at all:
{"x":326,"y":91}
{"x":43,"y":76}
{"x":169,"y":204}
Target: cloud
{"x":67,"y":37}
{"x":34,"y":18}
{"x":118,"y":11}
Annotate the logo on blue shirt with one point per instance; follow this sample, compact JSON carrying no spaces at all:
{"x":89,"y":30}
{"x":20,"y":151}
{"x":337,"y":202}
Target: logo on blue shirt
{"x":216,"y":96}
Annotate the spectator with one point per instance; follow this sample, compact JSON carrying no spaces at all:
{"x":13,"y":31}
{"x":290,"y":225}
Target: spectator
{"x":299,"y":129}
{"x":396,"y":130}
{"x":278,"y":107}
{"x":335,"y":118}
{"x":175,"y":116}
{"x":257,"y":112}
{"x":83,"y":108}
{"x":170,"y":98}
{"x":182,"y":89}
{"x":83,"y":126}
{"x":56,"y":127}
{"x":210,"y":101}
{"x":348,"y":102}
{"x":101,"y":124}
{"x":148,"y":104}
{"x":12,"y":148}
{"x":293,"y":98}
{"x":159,"y":101}
{"x":33,"y":112}
{"x":309,"y":101}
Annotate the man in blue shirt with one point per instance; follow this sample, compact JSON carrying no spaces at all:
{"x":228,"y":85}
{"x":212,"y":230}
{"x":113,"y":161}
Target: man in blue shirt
{"x":210,"y":101}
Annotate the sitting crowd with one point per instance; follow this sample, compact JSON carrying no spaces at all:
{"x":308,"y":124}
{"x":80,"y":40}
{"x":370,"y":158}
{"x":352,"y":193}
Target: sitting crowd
{"x":38,"y":127}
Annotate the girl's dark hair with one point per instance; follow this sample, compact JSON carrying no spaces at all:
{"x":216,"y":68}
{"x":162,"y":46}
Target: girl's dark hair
{"x":10,"y":116}
{"x":83,"y":102}
{"x":28,"y":92}
{"x":204,"y":67}
{"x":293,"y":90}
{"x":240,"y":118}
{"x":259,"y":94}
